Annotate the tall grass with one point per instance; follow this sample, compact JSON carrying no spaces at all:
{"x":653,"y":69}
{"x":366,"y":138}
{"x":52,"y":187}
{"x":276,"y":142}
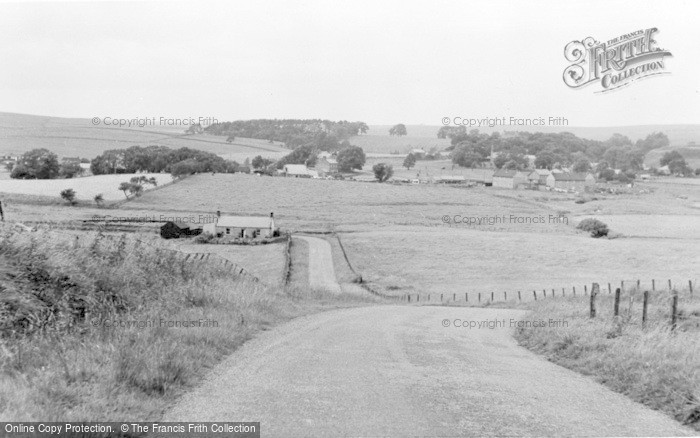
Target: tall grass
{"x":87,"y":325}
{"x":651,"y":364}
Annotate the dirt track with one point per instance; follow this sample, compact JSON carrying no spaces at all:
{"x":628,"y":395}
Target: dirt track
{"x":321,"y":271}
{"x":398,"y":371}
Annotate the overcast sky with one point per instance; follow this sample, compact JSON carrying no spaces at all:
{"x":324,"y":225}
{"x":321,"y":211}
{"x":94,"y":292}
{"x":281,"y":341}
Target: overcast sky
{"x":381,"y":62}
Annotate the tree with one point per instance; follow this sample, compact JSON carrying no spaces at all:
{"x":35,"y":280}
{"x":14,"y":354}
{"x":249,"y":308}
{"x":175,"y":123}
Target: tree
{"x":124,"y":187}
{"x":655,"y":140}
{"x":582,"y":165}
{"x":36,"y":164}
{"x":108,"y":162}
{"x":594,"y":226}
{"x":383,"y":171}
{"x":68,"y":195}
{"x":189,"y":166}
{"x":607,"y":174}
{"x":670,"y":156}
{"x":99,"y":199}
{"x":544,"y":160}
{"x":135,"y":189}
{"x":260,"y":163}
{"x":409,"y":161}
{"x":230,"y":139}
{"x":398,"y":130}
{"x":351,"y":158}
{"x":70,"y":169}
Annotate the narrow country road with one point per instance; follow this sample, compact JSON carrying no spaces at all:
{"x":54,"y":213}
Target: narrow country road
{"x":321,"y":271}
{"x":398,"y":371}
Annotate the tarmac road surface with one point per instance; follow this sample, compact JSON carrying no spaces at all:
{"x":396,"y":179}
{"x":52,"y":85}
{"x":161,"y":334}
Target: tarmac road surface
{"x":321,"y":270}
{"x":398,"y":371}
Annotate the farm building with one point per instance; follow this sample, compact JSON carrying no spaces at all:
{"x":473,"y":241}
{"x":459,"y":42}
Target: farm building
{"x":450,"y":179}
{"x":576,"y":181}
{"x":418,"y":153}
{"x":479,"y":176}
{"x":244,"y":227}
{"x":510,"y":179}
{"x":326,"y":165}
{"x":539,"y":177}
{"x":175,"y":230}
{"x":297,"y":171}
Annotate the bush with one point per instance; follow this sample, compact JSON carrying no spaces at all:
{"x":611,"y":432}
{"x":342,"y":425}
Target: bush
{"x":204,"y":238}
{"x":594,"y":226}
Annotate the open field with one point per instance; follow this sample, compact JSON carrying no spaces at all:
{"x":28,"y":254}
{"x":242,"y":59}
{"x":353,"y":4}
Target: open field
{"x":690,"y":153}
{"x":86,"y":188}
{"x":302,"y":203}
{"x":454,"y":260}
{"x":263,"y":261}
{"x":20,"y":133}
{"x":382,"y":142}
{"x":651,"y":365}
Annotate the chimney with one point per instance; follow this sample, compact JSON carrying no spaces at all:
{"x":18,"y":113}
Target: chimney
{"x":218,"y":214}
{"x":272,"y":224}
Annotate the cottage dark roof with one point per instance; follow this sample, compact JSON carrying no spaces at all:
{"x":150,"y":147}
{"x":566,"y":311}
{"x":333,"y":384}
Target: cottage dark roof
{"x":569,"y":176}
{"x":180,"y":225}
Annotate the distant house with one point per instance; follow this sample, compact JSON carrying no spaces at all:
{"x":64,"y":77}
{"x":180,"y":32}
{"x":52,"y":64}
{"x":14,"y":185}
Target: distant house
{"x":243,"y":169}
{"x":539,"y":177}
{"x":87,"y":171}
{"x":576,"y":181}
{"x":324,"y":154}
{"x":244,"y":227}
{"x":510,"y":179}
{"x":663,"y":170}
{"x":175,"y":230}
{"x":297,"y":171}
{"x":326,"y":166}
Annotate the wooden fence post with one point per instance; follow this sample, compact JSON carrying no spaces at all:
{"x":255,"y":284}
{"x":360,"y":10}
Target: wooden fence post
{"x":441,"y":298}
{"x":622,"y":285}
{"x":645,"y":304}
{"x":594,"y":292}
{"x":492,"y":297}
{"x":585,"y":289}
{"x":574,"y":290}
{"x":609,"y":289}
{"x":544,"y":292}
{"x":479,"y":296}
{"x":428,"y":297}
{"x":505,"y":296}
{"x":670,"y":287}
{"x":674,"y":310}
{"x":638,"y":284}
{"x":690,"y":286}
{"x":466,"y":297}
{"x":454,"y":297}
{"x":617,"y":302}
{"x":563,"y":292}
{"x":417,"y":297}
{"x":552,"y":292}
{"x":653,"y":284}
{"x":519,"y":297}
{"x":535,"y":294}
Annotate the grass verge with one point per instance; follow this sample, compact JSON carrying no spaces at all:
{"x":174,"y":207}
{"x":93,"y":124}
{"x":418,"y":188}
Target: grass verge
{"x":108,"y":329}
{"x":653,"y":365}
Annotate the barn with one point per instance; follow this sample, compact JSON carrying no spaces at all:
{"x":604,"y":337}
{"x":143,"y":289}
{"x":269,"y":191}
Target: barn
{"x":510,"y":179}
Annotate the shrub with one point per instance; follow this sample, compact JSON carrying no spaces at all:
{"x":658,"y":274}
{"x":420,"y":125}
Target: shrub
{"x":594,"y":226}
{"x":204,"y":238}
{"x":68,"y":195}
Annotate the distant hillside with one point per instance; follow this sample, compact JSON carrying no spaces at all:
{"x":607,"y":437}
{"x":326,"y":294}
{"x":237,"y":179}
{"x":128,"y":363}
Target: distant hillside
{"x":378,"y":139}
{"x":79,"y":137}
{"x":690,"y":153}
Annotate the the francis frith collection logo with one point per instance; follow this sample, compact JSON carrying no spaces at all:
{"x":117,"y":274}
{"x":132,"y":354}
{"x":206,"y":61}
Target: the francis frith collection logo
{"x":614,"y":63}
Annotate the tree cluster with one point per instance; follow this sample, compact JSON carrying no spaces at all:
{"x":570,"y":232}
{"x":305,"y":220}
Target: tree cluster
{"x":156,"y":159}
{"x":324,"y":134}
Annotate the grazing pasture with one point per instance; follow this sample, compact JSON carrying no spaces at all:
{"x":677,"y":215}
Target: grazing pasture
{"x":451,"y":260}
{"x":86,"y":187}
{"x":308,"y":204}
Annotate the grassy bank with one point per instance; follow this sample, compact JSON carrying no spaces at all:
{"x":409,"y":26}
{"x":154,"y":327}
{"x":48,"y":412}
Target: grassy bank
{"x":111,"y":329}
{"x":652,"y":365}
